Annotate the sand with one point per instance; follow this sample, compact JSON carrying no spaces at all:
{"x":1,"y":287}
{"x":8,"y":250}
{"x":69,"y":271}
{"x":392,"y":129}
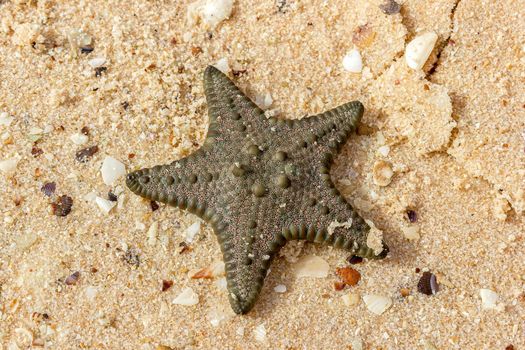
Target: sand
{"x":452,"y":133}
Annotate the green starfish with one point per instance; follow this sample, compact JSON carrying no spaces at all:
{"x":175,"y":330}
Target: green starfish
{"x":260,"y":182}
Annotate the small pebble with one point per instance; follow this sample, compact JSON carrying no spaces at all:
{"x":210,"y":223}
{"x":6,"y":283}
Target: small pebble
{"x":104,"y":204}
{"x":348,"y":275}
{"x":78,"y":138}
{"x":390,"y":7}
{"x":489,"y":299}
{"x":111,"y":170}
{"x":5,"y":119}
{"x":192,"y":231}
{"x":411,"y":232}
{"x":384,"y":150}
{"x":72,"y":279}
{"x":112,"y":197}
{"x":419,"y":49}
{"x":84,"y":154}
{"x":412,"y":216}
{"x":152,"y":233}
{"x":405,"y":292}
{"x":280,"y":288}
{"x":97,"y":62}
{"x":312,"y":266}
{"x":49,"y":189}
{"x":187,"y":297}
{"x":363,"y":36}
{"x":210,"y":12}
{"x":36,"y":151}
{"x":382,"y":173}
{"x":428,"y":284}
{"x":86,"y":50}
{"x":166,"y":284}
{"x":354,"y":259}
{"x":259,"y":333}
{"x":8,"y":166}
{"x":350,"y":299}
{"x":352,"y":61}
{"x":377,"y":304}
{"x":62,"y":206}
{"x":154,"y":205}
{"x":223,"y":65}
{"x":99,"y":71}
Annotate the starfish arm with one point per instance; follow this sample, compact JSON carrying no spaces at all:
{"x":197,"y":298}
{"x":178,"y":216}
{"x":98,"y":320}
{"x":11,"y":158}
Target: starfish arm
{"x":249,"y":242}
{"x":188,"y":183}
{"x":326,"y":218}
{"x":330,"y":129}
{"x":231,"y":113}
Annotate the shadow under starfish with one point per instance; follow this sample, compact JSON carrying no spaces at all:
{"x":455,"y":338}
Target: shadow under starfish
{"x":259,"y":182}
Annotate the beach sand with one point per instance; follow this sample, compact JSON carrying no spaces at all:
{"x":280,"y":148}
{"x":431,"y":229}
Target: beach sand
{"x":453,"y":134}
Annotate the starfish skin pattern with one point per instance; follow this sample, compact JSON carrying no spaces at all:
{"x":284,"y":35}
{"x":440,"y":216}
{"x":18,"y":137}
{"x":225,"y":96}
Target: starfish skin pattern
{"x":260,"y":182}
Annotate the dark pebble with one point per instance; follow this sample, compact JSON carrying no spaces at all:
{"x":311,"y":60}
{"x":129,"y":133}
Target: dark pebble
{"x":100,"y":70}
{"x":84,"y":154}
{"x":154,"y":205}
{"x":412,"y":216}
{"x":428,"y":284}
{"x":86,"y":49}
{"x":62,"y":206}
{"x":72,"y":279}
{"x":166,"y":285}
{"x":354,"y":259}
{"x":112,"y":197}
{"x":36,"y":151}
{"x":49,"y":188}
{"x":390,"y":7}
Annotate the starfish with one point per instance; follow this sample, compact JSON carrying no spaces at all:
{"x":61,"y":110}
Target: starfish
{"x":259,"y":182}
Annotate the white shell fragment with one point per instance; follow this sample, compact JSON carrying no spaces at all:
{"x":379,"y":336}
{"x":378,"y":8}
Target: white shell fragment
{"x":382,"y":173}
{"x":384,"y":150}
{"x":152,"y":233}
{"x":280,"y":288}
{"x":374,"y":240}
{"x":97,"y":62}
{"x":264,"y":101}
{"x":187,"y":297}
{"x":192,"y":231}
{"x":218,"y":314}
{"x":411,"y":232}
{"x":259,"y":333}
{"x":221,"y":284}
{"x":111,"y":170}
{"x":223,"y":65}
{"x":357,"y":344}
{"x":5,"y":119}
{"x":377,"y":304}
{"x":210,"y":12}
{"x":312,"y":266}
{"x":419,"y":49}
{"x":78,"y":138}
{"x":350,"y":299}
{"x":489,"y":300}
{"x":104,"y":204}
{"x":353,"y":62}
{"x":8,"y":166}
{"x":335,"y":224}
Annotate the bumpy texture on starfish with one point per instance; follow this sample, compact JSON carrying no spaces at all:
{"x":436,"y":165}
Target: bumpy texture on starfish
{"x":260,"y":182}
